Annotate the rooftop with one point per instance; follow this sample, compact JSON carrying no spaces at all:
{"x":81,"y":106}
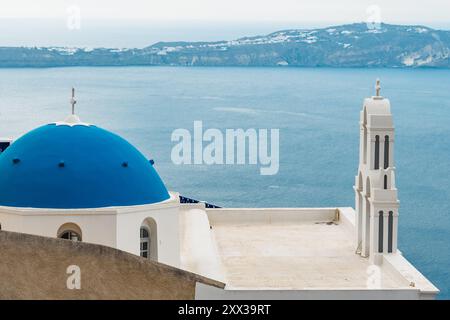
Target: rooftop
{"x":288,"y":249}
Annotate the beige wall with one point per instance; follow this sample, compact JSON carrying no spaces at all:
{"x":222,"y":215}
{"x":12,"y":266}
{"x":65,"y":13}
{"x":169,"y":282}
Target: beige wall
{"x":34,"y":267}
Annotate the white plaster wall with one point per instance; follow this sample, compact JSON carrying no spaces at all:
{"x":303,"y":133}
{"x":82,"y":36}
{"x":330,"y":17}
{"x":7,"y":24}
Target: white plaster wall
{"x":10,"y":222}
{"x":398,"y":265}
{"x":199,"y":248}
{"x":205,"y":292}
{"x":96,"y":226}
{"x":269,"y":215}
{"x":117,"y":227}
{"x":347,"y":217}
{"x":166,"y":215}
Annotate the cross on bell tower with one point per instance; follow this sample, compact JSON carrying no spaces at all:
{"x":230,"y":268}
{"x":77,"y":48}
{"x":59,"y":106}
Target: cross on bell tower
{"x":378,"y":87}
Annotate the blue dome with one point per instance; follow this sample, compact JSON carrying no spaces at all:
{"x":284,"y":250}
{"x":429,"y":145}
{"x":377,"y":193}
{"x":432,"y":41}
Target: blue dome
{"x":72,"y":167}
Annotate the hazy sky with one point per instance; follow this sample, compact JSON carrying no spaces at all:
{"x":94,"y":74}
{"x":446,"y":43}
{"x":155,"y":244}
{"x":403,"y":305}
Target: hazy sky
{"x":137,"y":23}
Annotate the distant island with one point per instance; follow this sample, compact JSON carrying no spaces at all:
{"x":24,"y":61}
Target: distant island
{"x":353,"y":45}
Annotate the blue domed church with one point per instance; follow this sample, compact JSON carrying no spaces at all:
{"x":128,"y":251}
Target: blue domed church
{"x":77,"y":181}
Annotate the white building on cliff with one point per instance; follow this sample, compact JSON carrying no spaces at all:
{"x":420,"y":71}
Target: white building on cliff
{"x":75,"y":181}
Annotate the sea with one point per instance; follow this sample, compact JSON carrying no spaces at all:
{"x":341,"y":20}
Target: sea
{"x":316,"y":111}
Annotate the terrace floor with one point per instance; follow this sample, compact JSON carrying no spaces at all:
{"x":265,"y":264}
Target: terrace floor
{"x":289,"y":253}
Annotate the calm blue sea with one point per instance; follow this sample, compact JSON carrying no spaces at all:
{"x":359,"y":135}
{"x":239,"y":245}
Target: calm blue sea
{"x":316,"y":110}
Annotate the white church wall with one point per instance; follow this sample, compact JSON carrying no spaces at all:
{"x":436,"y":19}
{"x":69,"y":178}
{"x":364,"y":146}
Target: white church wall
{"x":10,"y":222}
{"x":166,"y":216}
{"x":96,"y":226}
{"x":199,"y":248}
{"x":347,"y":218}
{"x":269,"y":215}
{"x":117,"y":227}
{"x":381,"y":122}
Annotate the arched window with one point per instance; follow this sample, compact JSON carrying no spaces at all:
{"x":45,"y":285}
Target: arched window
{"x":360,"y":182}
{"x":385,"y":182}
{"x":359,"y":205}
{"x":365,"y":145}
{"x":386,"y":152}
{"x":380,"y":232}
{"x":70,"y":235}
{"x":365,"y":136}
{"x":390,"y":230}
{"x":366,"y":227}
{"x":70,"y":231}
{"x":145,"y":242}
{"x":377,"y":153}
{"x":149,"y":239}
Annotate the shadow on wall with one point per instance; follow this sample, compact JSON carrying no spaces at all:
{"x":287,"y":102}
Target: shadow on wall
{"x":34,"y":267}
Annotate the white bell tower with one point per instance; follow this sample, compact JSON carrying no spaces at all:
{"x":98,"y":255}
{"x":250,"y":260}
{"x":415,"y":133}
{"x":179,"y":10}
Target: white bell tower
{"x":376,"y":201}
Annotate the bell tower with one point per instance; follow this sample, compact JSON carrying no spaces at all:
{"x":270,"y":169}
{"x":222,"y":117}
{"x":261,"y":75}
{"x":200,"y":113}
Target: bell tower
{"x":376,"y":201}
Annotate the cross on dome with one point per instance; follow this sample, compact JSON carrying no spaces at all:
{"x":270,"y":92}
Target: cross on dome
{"x":72,"y":119}
{"x":73,"y":101}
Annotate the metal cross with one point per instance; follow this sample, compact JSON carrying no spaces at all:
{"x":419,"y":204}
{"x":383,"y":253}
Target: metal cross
{"x":378,"y":88}
{"x":73,"y":101}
